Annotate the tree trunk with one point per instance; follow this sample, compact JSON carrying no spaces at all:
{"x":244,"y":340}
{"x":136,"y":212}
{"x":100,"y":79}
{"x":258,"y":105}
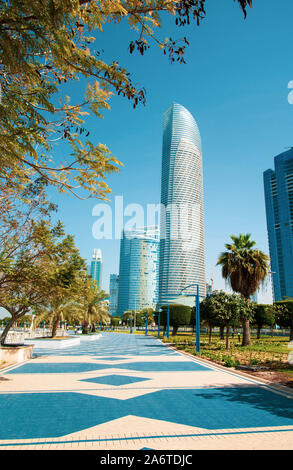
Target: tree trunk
{"x":6,"y":330}
{"x":84,"y":327}
{"x":54,"y":327}
{"x":222,"y":332}
{"x":175,"y":329}
{"x":246,"y":341}
{"x":258,"y":332}
{"x":291,"y":333}
{"x":227,"y":336}
{"x":210,"y":333}
{"x":93,"y":329}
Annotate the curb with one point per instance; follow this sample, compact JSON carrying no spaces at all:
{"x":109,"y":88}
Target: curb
{"x":279,"y":388}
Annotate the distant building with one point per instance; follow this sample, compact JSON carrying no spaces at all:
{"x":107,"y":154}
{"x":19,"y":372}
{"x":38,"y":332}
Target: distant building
{"x":209,"y":289}
{"x":96,"y":267}
{"x":138,"y":269}
{"x":278,"y":187}
{"x":113,"y":289}
{"x":182,"y":259}
{"x":254,"y":298}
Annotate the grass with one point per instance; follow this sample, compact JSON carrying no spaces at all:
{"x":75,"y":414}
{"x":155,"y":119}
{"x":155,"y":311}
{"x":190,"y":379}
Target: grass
{"x":270,"y":352}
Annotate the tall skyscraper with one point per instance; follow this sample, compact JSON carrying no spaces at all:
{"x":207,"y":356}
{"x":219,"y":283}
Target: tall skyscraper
{"x":113,"y":289}
{"x":96,"y":267}
{"x":278,"y":186}
{"x":182,"y":251}
{"x":138,"y":270}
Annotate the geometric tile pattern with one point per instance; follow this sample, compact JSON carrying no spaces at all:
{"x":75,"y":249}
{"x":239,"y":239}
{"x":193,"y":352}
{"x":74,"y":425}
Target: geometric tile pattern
{"x":115,"y":380}
{"x":53,"y":415}
{"x":84,"y":391}
{"x":76,"y":367}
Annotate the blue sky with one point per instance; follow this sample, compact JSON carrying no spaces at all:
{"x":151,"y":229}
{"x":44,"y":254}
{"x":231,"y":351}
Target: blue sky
{"x":235,"y":84}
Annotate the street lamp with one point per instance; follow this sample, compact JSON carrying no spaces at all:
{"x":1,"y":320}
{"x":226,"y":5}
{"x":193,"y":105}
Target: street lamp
{"x":159,"y":323}
{"x":130,"y":324}
{"x":197,"y":314}
{"x":168,"y":320}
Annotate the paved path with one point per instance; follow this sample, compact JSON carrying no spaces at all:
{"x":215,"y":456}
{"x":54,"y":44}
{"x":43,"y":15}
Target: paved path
{"x":132,"y":392}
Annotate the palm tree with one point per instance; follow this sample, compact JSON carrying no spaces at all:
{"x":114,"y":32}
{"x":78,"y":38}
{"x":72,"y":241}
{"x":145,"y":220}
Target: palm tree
{"x":92,"y":307}
{"x":245,"y":268}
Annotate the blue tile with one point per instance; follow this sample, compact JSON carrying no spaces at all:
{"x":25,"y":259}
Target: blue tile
{"x":78,"y":367}
{"x":115,"y":380}
{"x":41,"y":415}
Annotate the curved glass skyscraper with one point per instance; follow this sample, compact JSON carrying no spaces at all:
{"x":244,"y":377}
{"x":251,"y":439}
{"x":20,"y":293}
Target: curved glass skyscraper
{"x":182,"y":253}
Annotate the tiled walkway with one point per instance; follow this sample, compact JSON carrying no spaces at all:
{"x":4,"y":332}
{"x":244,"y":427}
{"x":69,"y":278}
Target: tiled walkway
{"x":130,"y":392}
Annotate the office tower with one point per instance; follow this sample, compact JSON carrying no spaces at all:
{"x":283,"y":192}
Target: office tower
{"x":96,"y":267}
{"x":209,"y":290}
{"x":113,"y":289}
{"x":278,"y":186}
{"x":138,"y":270}
{"x":182,"y":251}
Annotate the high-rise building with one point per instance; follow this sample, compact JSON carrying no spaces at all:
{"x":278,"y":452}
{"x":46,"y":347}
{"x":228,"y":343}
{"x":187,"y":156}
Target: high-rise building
{"x":278,"y":186}
{"x":113,"y":289}
{"x":182,"y":251}
{"x":138,"y":270}
{"x":96,"y":267}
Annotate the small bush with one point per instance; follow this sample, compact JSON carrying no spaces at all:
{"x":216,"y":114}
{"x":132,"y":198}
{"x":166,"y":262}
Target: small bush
{"x":254,"y":361}
{"x":229,"y":362}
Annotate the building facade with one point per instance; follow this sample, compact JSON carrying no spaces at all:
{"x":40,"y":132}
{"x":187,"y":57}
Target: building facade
{"x":113,"y":290}
{"x":278,"y":187}
{"x":96,"y":267}
{"x":182,"y":250}
{"x":138,"y":269}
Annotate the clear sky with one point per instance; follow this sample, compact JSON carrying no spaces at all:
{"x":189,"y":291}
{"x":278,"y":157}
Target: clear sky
{"x":235,"y":84}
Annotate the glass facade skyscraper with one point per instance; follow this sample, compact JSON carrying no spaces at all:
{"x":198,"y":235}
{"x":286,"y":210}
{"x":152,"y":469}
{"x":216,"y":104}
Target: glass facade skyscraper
{"x":182,"y":251}
{"x":138,"y":270}
{"x":96,"y":267}
{"x":113,"y":290}
{"x":278,"y":186}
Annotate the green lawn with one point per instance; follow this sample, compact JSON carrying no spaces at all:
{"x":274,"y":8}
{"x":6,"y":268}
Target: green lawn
{"x":269,"y":351}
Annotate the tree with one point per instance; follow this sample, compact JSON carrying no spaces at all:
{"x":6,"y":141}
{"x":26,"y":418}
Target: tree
{"x":179,"y":315}
{"x":115,"y":322}
{"x":64,"y":281}
{"x":245,"y":268}
{"x":221,"y":309}
{"x":284,"y":314}
{"x":263,"y":315}
{"x":39,"y":275}
{"x":22,"y":288}
{"x":139,"y":316}
{"x":46,"y":44}
{"x":207,"y":316}
{"x":93,"y":307}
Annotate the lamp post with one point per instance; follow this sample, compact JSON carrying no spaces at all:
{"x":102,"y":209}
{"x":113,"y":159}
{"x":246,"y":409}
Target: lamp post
{"x":131,"y":324}
{"x":168,"y":322}
{"x":197,"y":314}
{"x":159,"y":323}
